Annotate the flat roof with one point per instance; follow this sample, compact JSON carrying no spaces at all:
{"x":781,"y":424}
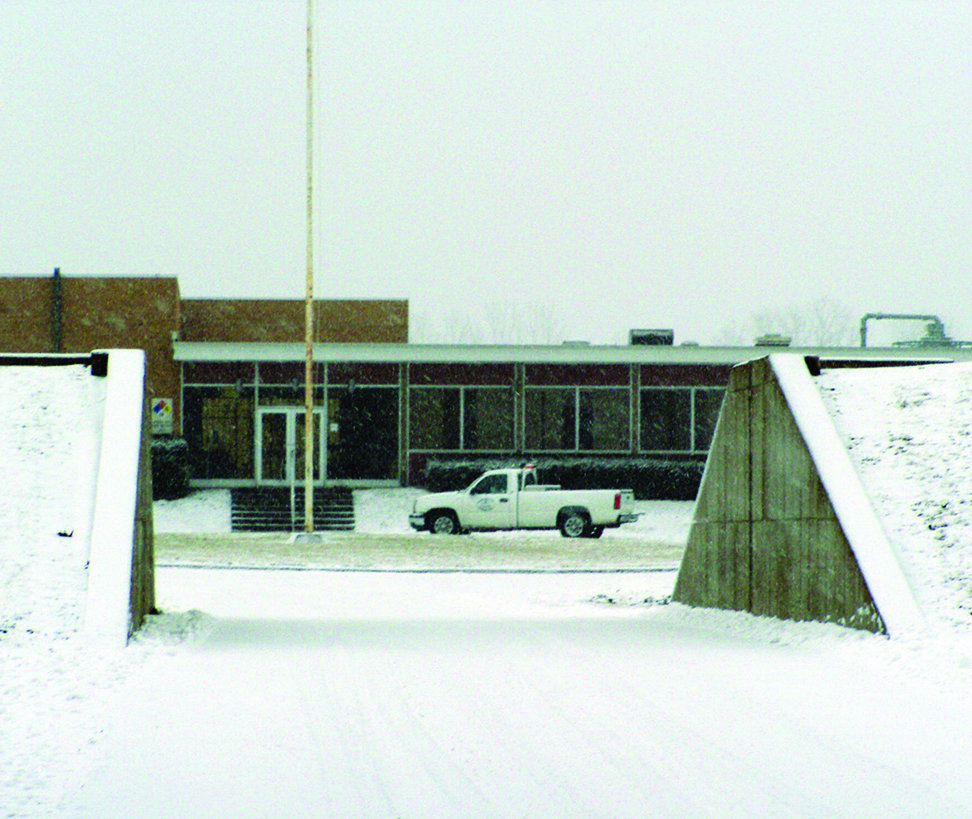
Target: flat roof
{"x":210,"y":351}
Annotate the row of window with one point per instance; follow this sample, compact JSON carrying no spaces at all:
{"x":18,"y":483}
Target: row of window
{"x":361,"y":424}
{"x":363,"y":435}
{"x":563,"y":419}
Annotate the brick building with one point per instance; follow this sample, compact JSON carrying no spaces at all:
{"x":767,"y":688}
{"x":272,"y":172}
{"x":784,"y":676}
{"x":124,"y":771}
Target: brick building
{"x":232,"y":373}
{"x":63,"y":314}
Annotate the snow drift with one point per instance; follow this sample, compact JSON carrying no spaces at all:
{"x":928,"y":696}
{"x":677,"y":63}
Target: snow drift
{"x":74,"y":443}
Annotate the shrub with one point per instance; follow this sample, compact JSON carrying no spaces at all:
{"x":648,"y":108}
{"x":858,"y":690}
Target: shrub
{"x":170,"y":468}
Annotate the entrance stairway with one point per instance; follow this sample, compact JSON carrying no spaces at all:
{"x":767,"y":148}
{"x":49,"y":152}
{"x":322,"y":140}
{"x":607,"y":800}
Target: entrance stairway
{"x":267,"y":509}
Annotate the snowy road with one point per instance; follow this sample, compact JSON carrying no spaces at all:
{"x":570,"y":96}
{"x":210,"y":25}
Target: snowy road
{"x":318,"y":694}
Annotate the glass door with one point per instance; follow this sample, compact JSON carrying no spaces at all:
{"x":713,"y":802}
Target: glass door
{"x":280,"y":445}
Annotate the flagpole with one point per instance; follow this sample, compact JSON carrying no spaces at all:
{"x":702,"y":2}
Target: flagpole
{"x":309,"y":303}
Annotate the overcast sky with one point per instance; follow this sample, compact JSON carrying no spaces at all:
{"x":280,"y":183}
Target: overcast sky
{"x":624,"y":164}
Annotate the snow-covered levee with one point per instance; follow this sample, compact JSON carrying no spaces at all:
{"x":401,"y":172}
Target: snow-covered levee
{"x":76,"y":507}
{"x":837,"y":494}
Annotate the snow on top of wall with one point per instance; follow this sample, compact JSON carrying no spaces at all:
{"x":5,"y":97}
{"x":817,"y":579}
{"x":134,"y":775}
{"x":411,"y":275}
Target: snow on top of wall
{"x":877,"y":560}
{"x":908,"y":432}
{"x":44,"y":413}
{"x":110,"y":576}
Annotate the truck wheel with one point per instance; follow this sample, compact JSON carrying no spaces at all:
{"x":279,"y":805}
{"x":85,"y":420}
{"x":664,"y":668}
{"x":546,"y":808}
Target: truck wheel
{"x":574,"y":524}
{"x":443,"y":522}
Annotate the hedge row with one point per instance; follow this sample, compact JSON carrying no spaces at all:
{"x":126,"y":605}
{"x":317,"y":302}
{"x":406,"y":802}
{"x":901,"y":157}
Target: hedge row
{"x":650,"y":478}
{"x":170,"y":468}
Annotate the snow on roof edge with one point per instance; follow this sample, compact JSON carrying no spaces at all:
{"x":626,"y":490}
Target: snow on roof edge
{"x":879,"y":563}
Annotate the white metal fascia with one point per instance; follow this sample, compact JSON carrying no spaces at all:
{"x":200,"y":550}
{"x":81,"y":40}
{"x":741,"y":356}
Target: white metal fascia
{"x":212,"y":351}
{"x":433,"y":353}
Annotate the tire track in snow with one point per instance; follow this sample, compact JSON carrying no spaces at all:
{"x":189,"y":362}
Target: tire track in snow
{"x":753,"y":738}
{"x":428,"y":778}
{"x":343,"y":733}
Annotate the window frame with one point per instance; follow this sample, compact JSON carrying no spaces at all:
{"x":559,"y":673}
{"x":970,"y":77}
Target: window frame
{"x":462,"y":420}
{"x":578,"y":390}
{"x":693,"y":436}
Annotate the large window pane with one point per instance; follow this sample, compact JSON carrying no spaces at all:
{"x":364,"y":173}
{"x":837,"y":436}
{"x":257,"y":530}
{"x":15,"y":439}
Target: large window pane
{"x":604,"y":420}
{"x":362,"y":441}
{"x":218,"y":425}
{"x":666,"y":419}
{"x":708,"y":403}
{"x":551,"y":419}
{"x":487,"y":419}
{"x":434,"y":418}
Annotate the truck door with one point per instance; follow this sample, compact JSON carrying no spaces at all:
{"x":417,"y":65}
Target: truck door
{"x":492,"y":503}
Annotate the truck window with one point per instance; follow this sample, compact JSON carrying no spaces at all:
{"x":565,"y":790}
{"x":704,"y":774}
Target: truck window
{"x":529,"y":479}
{"x":491,"y":485}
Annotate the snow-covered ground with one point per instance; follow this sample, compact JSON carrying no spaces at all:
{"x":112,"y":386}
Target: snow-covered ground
{"x":374,"y":694}
{"x":385,"y":511}
{"x":909,"y":434}
{"x":316,"y":694}
{"x":382,"y":540}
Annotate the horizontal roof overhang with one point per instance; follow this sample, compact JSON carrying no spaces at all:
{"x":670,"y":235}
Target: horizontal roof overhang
{"x":201,"y":351}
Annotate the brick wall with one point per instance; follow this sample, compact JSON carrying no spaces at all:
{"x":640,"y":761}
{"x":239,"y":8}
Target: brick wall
{"x":25,"y":315}
{"x":282,"y":320}
{"x":143,"y":313}
{"x":96,"y":313}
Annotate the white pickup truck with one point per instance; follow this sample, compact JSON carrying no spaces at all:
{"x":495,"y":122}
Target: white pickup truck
{"x":513,"y":499}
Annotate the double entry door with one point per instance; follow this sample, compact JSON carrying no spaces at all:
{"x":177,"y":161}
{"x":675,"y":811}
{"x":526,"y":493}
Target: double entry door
{"x":281,"y":444}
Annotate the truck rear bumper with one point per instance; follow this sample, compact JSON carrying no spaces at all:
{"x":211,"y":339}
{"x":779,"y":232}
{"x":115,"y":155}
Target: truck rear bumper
{"x":632,"y":518}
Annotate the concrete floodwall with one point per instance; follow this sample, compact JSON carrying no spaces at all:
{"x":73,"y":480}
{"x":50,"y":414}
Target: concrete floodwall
{"x":121,"y":579}
{"x":782,"y":525}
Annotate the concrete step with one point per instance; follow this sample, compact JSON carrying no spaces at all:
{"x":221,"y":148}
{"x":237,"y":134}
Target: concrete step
{"x":269,"y":510}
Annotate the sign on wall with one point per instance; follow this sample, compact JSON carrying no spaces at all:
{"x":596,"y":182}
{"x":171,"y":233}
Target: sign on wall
{"x":162,"y":416}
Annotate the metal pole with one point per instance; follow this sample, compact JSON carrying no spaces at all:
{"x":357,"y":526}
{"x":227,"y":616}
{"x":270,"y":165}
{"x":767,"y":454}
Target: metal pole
{"x":309,"y":305}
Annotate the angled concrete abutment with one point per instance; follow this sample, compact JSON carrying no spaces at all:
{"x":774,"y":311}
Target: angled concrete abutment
{"x":121,"y":573}
{"x":783,"y":526}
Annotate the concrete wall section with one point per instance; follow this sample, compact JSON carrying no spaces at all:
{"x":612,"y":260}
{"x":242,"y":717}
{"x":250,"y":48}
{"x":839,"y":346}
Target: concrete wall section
{"x":141,"y":601}
{"x":715,"y":569}
{"x":766,"y":538}
{"x":872,"y":551}
{"x":121,"y":569}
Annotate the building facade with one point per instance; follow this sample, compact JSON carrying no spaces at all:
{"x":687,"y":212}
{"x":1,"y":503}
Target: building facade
{"x":62,"y":314}
{"x":383,"y":411}
{"x":228,"y":376}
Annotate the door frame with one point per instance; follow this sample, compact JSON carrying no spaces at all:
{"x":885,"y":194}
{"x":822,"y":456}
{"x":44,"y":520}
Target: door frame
{"x":291,"y":413}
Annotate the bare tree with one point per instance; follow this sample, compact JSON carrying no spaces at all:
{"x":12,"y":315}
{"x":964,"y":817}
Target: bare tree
{"x":820,"y":323}
{"x":459,"y":328}
{"x":500,"y":322}
{"x":832,"y":324}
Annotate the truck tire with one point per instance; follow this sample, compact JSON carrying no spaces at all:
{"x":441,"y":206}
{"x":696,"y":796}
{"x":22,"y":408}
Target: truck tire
{"x":443,"y":522}
{"x":574,"y":523}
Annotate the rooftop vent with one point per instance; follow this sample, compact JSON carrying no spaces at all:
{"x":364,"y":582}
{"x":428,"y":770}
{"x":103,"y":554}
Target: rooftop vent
{"x":652,"y":338}
{"x":773,"y":340}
